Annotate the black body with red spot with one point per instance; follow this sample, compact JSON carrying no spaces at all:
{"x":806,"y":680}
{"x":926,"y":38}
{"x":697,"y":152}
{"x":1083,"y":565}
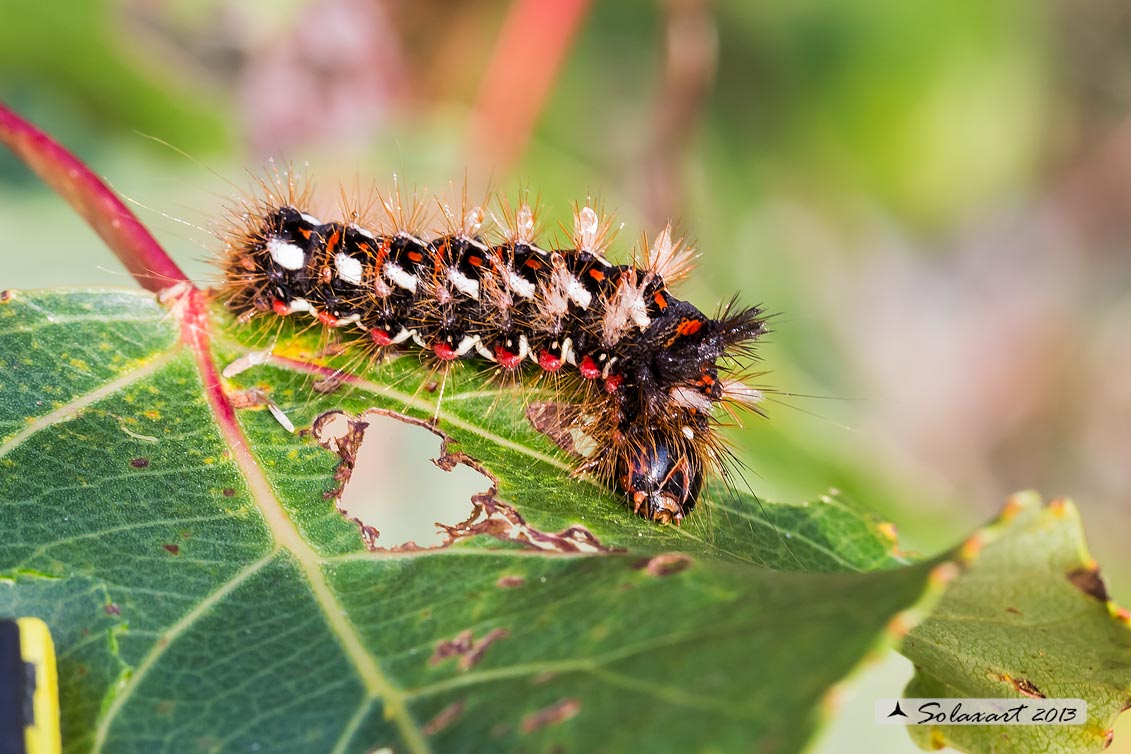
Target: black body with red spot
{"x":650,"y":391}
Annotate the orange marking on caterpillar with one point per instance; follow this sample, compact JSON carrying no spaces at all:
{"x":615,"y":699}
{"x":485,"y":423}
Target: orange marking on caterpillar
{"x":382,"y":253}
{"x":688,"y":327}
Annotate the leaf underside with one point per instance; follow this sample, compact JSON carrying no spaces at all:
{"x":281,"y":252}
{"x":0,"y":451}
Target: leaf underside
{"x":199,"y":604}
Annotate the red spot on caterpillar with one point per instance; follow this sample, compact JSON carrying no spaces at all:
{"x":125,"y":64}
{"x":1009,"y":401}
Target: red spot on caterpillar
{"x":475,"y":261}
{"x":533,"y":263}
{"x":596,"y":274}
{"x":415,"y":256}
{"x":506,"y":359}
{"x":688,"y":327}
{"x":282,"y":308}
{"x":589,"y":369}
{"x":443,"y":351}
{"x":549,"y":362}
{"x":381,"y":337}
{"x":327,"y":319}
{"x":613,"y":383}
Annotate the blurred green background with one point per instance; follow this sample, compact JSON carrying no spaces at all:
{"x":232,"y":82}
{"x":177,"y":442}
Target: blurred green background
{"x":933,"y":195}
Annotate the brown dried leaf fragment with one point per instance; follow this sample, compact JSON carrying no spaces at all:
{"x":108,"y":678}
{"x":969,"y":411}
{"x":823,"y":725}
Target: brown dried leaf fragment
{"x":464,"y":646}
{"x":444,"y":718}
{"x":502,"y":521}
{"x":1022,"y":686}
{"x":560,"y":422}
{"x":327,"y":384}
{"x":1027,"y":687}
{"x":1089,"y":581}
{"x":460,"y":645}
{"x":556,"y":713}
{"x":253,"y":398}
{"x":666,"y":564}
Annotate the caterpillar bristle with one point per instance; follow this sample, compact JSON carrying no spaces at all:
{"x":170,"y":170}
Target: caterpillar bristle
{"x":404,"y":218}
{"x":519,"y":225}
{"x":671,"y":260}
{"x":643,"y":370}
{"x":593,"y":230}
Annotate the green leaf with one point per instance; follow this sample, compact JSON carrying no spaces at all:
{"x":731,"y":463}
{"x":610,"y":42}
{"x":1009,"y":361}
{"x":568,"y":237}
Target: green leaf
{"x":488,"y":424}
{"x":206,"y":595}
{"x":1031,"y":617}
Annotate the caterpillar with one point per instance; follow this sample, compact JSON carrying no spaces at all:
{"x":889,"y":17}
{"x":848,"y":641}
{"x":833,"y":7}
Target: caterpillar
{"x":640,"y":371}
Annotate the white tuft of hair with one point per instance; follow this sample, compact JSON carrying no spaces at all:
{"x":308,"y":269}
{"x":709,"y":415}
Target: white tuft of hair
{"x":671,"y":260}
{"x":625,"y":309}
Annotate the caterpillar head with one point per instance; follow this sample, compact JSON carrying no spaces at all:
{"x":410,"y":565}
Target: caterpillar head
{"x":686,"y":344}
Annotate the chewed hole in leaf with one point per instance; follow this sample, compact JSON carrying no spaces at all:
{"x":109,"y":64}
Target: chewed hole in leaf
{"x":396,"y":507}
{"x":394,"y":483}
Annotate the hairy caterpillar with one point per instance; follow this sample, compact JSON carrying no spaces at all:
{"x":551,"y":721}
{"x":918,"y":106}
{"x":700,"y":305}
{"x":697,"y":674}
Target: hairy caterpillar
{"x":640,"y":368}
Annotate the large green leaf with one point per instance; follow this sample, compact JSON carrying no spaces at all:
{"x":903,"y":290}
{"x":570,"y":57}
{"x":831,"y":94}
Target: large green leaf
{"x":206,"y":595}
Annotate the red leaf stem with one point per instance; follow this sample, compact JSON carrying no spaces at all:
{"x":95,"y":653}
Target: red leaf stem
{"x":133,"y":244}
